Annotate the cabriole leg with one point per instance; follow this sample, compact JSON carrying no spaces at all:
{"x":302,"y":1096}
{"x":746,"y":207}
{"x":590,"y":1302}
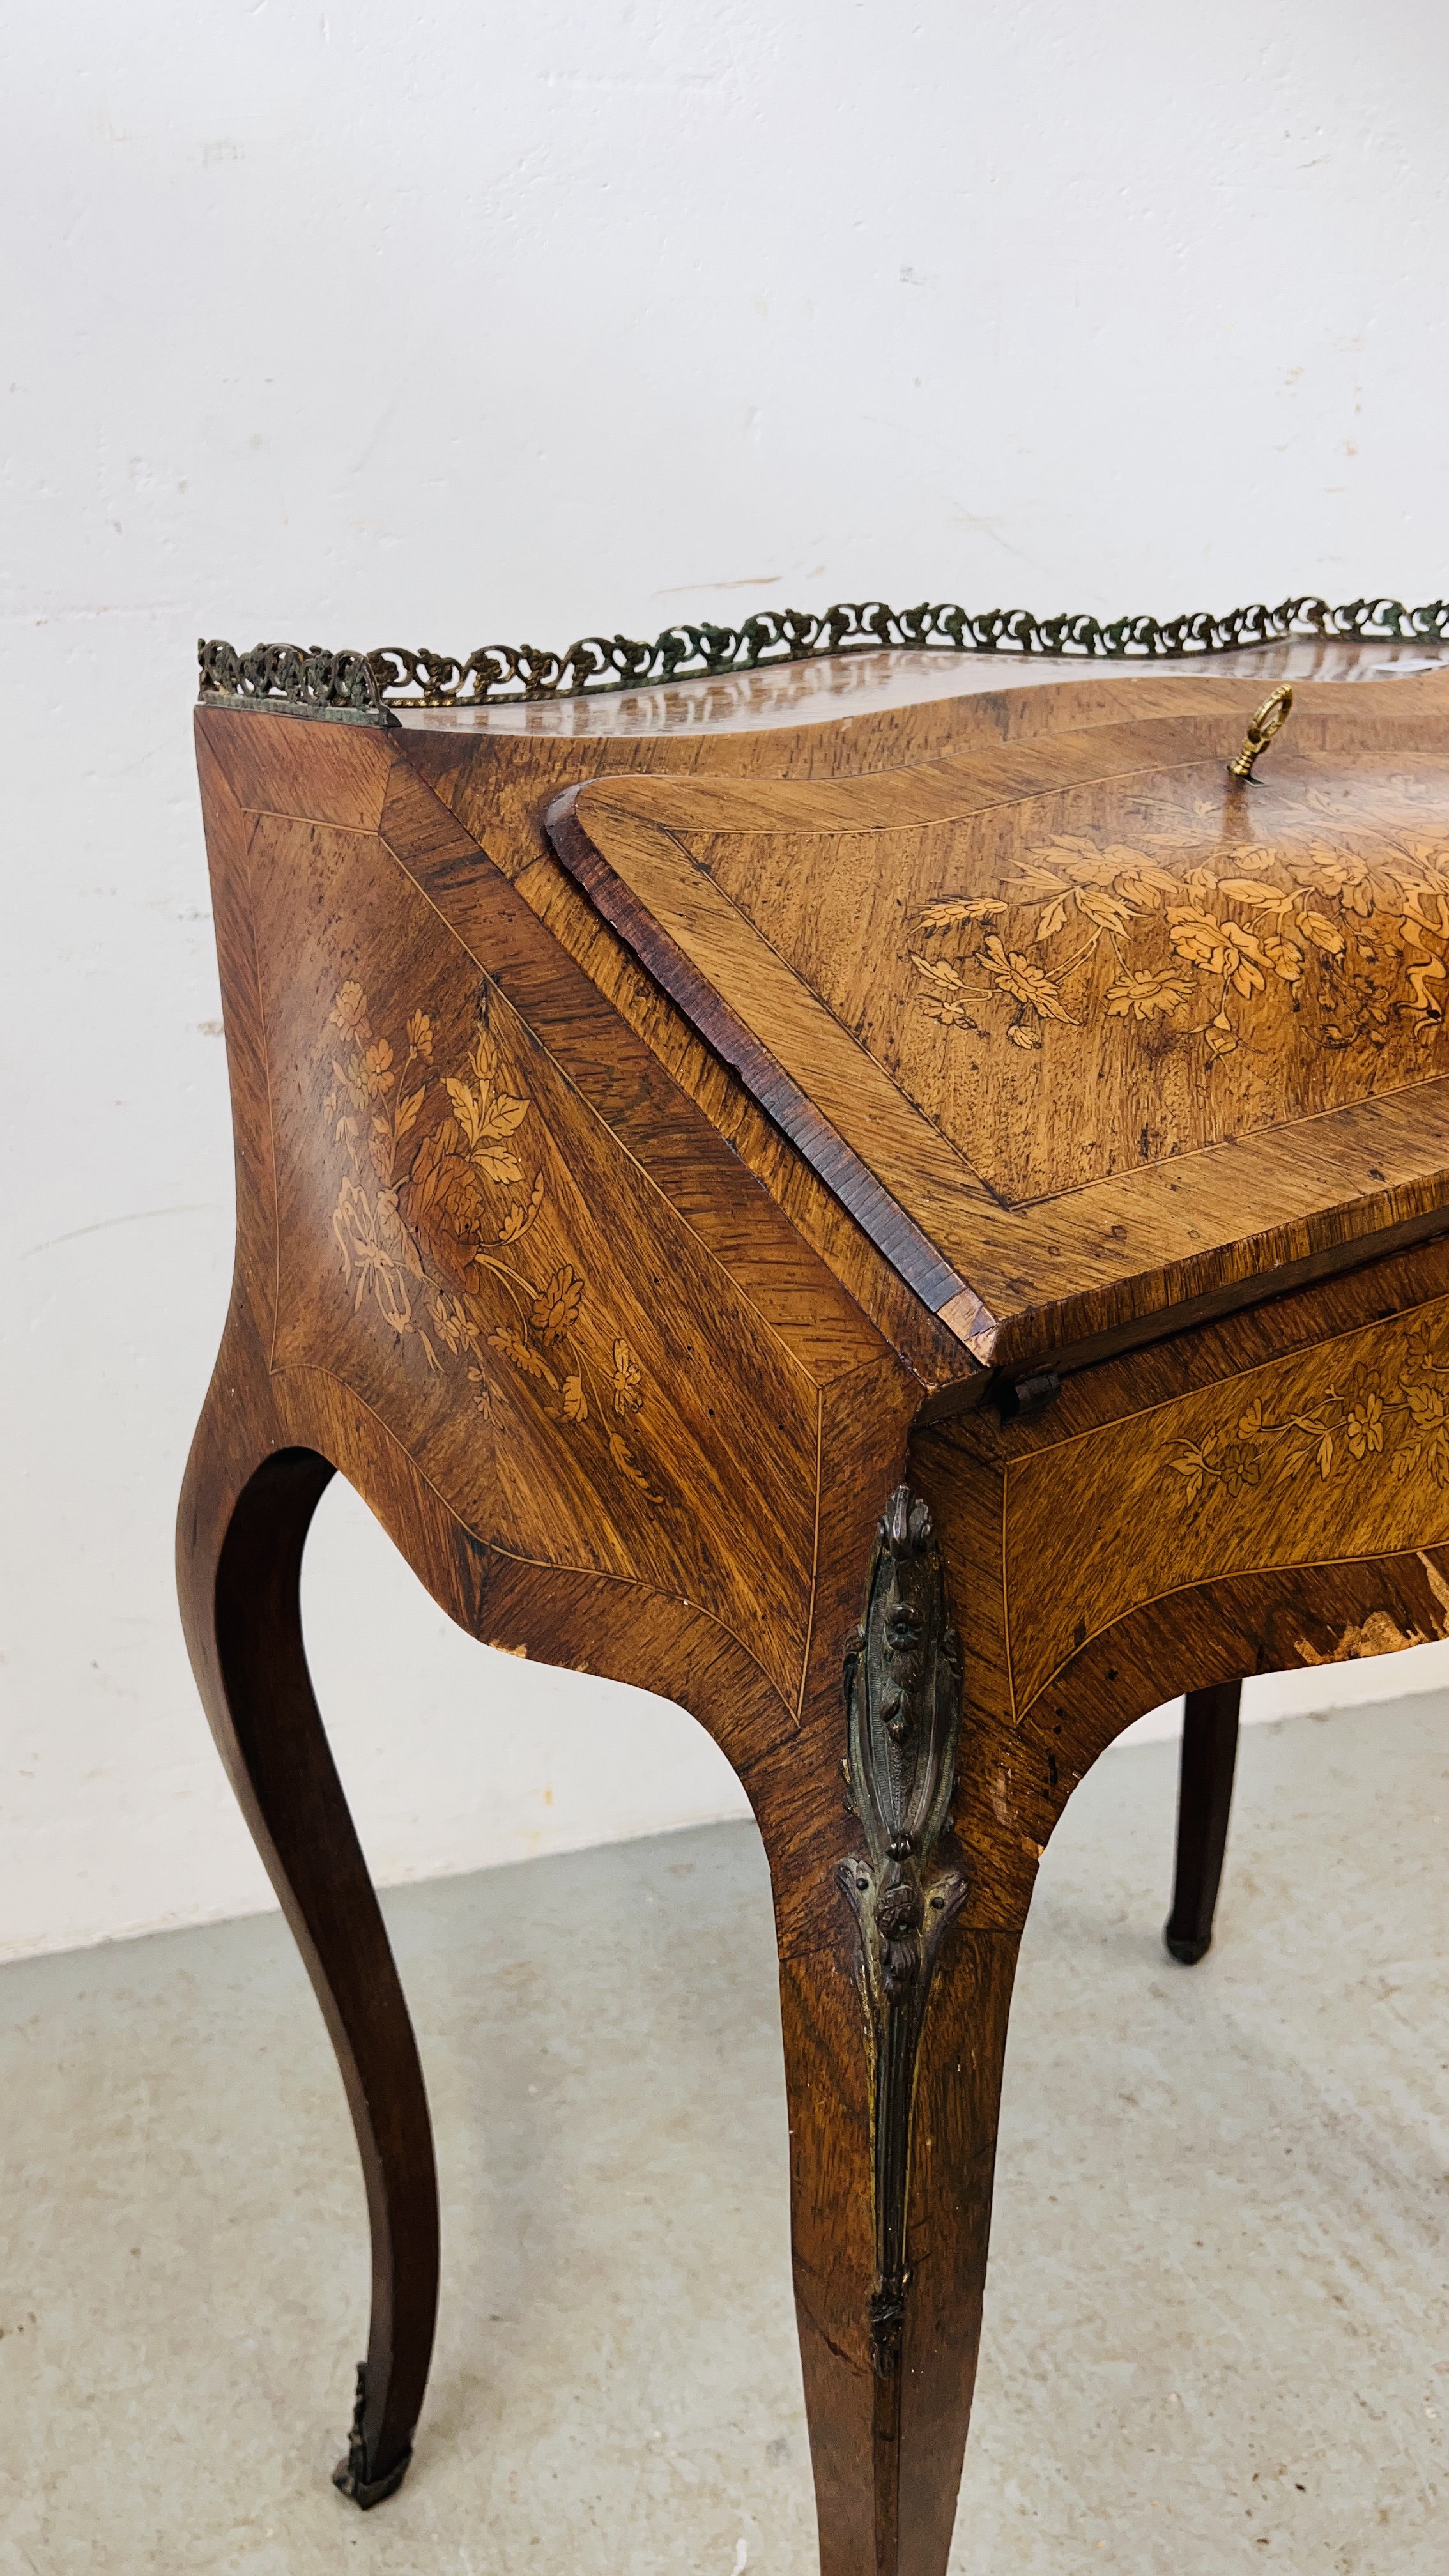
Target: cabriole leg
{"x":889,"y":2369}
{"x":240,"y":1543}
{"x":894,"y":2039}
{"x":1204,"y":1802}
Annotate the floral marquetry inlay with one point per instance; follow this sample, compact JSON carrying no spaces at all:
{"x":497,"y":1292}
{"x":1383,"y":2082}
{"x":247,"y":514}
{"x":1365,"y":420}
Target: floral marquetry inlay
{"x":1396,"y":1409}
{"x":436,"y":1218}
{"x":1075,"y":957}
{"x":1331,"y":1454}
{"x":1188,"y":946}
{"x":1088,"y":982}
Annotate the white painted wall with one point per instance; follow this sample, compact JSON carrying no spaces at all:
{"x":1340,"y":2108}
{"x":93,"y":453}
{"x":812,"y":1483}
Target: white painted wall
{"x":462,"y":322}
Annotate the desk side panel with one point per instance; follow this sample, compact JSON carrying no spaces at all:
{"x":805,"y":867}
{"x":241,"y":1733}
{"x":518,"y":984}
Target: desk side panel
{"x":467,"y":1248}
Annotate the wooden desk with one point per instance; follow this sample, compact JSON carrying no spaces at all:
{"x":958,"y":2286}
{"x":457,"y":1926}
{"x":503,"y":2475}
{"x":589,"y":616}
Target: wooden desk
{"x":888,"y":1201}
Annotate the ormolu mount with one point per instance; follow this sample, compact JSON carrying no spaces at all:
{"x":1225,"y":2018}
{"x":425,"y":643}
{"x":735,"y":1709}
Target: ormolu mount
{"x":903,"y":1703}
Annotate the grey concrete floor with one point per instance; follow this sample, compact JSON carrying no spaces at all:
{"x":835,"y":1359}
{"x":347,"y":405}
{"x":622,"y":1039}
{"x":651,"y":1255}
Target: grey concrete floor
{"x":1216,"y":2327}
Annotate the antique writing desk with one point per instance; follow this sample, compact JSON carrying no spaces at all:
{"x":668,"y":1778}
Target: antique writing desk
{"x":888,"y":1198}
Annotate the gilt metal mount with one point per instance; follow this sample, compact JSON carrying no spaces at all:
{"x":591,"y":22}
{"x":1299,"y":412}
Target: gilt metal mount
{"x":350,"y":2477}
{"x":903,"y":1714}
{"x":362,"y":687}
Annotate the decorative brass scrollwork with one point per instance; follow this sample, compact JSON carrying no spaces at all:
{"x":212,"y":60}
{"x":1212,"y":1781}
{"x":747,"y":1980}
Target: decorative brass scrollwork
{"x":344,"y":687}
{"x":903,"y":1707}
{"x":361,"y":686}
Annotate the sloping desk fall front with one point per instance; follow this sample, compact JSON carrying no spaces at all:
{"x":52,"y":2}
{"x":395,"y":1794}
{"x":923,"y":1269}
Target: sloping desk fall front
{"x":898,"y":1207}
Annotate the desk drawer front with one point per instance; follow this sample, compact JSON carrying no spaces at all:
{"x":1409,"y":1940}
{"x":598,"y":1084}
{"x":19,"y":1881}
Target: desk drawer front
{"x":1341,"y":1451}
